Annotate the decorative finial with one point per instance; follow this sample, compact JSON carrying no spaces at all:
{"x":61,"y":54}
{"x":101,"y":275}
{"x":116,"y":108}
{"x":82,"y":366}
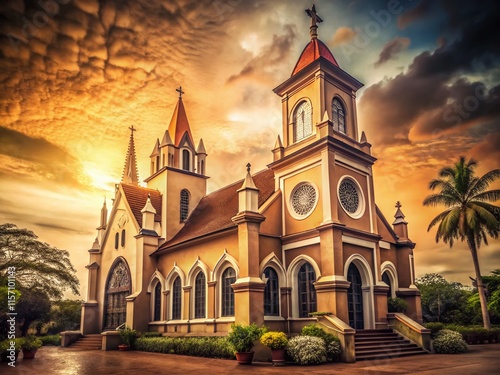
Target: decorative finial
{"x":398,"y":204}
{"x":132,"y":130}
{"x":149,"y":195}
{"x":315,"y":19}
{"x":179,"y":90}
{"x":248,"y":167}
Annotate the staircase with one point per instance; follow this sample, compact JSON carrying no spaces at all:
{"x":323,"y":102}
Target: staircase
{"x":383,"y":343}
{"x":88,"y":342}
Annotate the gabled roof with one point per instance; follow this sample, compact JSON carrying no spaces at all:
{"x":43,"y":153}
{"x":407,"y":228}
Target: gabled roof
{"x":214,"y":212}
{"x":136,"y":197}
{"x":179,"y":124}
{"x":313,"y":51}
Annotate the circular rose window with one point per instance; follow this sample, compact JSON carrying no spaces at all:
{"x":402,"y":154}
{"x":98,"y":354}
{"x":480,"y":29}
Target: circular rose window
{"x":303,"y":199}
{"x":351,"y":198}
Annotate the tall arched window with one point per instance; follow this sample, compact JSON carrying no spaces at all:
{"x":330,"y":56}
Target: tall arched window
{"x":157,"y":303}
{"x":302,"y":121}
{"x":338,"y":116}
{"x":227,"y":292}
{"x":176,"y":299}
{"x":123,"y":238}
{"x":184,"y":206}
{"x":307,"y":292}
{"x":158,"y":163}
{"x":271,"y":293}
{"x":186,"y":162}
{"x":199,"y":296}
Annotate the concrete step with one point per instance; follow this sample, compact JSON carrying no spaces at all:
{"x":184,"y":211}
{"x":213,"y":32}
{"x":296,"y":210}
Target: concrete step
{"x":389,"y":355}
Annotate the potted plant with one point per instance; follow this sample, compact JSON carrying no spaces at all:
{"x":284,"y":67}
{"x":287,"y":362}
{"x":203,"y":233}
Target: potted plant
{"x":8,"y":351}
{"x":242,"y":338}
{"x":277,"y":342}
{"x":128,"y":336}
{"x":30,"y":346}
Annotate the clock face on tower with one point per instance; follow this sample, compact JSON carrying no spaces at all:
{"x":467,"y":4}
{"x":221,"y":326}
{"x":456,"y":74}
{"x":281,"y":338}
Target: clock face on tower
{"x":303,"y":121}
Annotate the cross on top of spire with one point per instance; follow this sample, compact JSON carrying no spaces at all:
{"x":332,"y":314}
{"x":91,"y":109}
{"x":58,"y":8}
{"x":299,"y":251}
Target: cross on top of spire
{"x":132,"y":130}
{"x":248,"y":167}
{"x":179,"y":90}
{"x":315,"y":19}
{"x":398,"y":204}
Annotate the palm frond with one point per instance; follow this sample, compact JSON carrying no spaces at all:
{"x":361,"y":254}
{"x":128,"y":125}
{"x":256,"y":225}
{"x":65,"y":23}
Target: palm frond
{"x":483,"y":182}
{"x":490,"y":195}
{"x":437,"y":199}
{"x":438,"y":218}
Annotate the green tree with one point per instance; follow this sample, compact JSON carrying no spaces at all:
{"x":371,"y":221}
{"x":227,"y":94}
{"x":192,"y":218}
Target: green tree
{"x":442,"y":301}
{"x":34,"y":305}
{"x":468,"y":216}
{"x":65,"y":315}
{"x":38,"y":265}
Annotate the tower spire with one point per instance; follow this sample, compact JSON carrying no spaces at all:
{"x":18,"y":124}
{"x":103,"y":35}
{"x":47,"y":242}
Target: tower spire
{"x":315,"y":19}
{"x":130,"y":173}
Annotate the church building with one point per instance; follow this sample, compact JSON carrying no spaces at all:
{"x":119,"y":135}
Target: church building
{"x":303,"y":235}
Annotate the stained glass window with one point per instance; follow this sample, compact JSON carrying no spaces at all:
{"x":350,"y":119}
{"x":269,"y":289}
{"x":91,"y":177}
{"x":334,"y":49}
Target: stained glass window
{"x":228,"y":278}
{"x":306,"y":290}
{"x":176,"y":299}
{"x":302,"y":121}
{"x":349,"y":196}
{"x":184,"y":207}
{"x":303,"y":199}
{"x":338,"y":116}
{"x":199,"y":296}
{"x":271,"y":293}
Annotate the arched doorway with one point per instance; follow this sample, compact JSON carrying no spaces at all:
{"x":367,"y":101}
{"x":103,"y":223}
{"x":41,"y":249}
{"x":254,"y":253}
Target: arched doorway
{"x":355,"y":298}
{"x":118,"y":287}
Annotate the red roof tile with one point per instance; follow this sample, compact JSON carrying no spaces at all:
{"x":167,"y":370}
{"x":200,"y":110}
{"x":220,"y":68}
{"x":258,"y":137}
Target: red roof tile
{"x":137,"y":196}
{"x":214,"y":212}
{"x":313,"y":51}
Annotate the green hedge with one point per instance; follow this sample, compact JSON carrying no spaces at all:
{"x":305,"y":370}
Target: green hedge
{"x":211,"y":347}
{"x":51,"y":340}
{"x":471,"y":334}
{"x":150,"y":334}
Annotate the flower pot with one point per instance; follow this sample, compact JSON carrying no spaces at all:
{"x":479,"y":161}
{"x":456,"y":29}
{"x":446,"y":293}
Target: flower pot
{"x":244,"y":358}
{"x":123,"y":347}
{"x":29,"y":354}
{"x":278,"y":356}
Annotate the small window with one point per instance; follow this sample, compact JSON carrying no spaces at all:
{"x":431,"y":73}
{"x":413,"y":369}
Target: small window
{"x":158,"y":163}
{"x":184,"y":206}
{"x":228,"y":278}
{"x":186,"y":162}
{"x":338,"y":116}
{"x":199,"y":296}
{"x":307,"y":292}
{"x":157,"y":302}
{"x":117,"y":239}
{"x":202,"y":167}
{"x":176,"y":299}
{"x":123,"y":238}
{"x":271,"y":293}
{"x":302,"y":121}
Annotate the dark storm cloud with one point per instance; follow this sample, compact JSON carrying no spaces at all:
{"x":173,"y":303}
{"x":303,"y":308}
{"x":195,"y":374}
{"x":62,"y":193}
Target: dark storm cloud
{"x":391,"y":49}
{"x":421,"y":10}
{"x":433,"y":96}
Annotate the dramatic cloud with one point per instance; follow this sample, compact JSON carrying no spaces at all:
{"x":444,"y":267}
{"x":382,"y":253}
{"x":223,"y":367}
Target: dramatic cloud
{"x":343,"y":35}
{"x":414,"y":14}
{"x":391,"y":49}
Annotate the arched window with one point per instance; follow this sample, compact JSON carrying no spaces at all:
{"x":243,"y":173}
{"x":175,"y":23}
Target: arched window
{"x":338,"y":116}
{"x":157,"y":302}
{"x":307,"y":292}
{"x":176,"y":299}
{"x":117,"y":240}
{"x":123,"y":238}
{"x":271,"y":293}
{"x":184,"y":206}
{"x":186,"y":162}
{"x":302,"y":121}
{"x":199,"y":296}
{"x":387,"y":280}
{"x":158,"y":163}
{"x":227,"y":293}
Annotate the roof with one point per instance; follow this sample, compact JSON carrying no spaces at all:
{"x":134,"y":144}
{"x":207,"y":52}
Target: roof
{"x":312,"y":52}
{"x":214,"y":212}
{"x":179,"y":124}
{"x":137,"y":196}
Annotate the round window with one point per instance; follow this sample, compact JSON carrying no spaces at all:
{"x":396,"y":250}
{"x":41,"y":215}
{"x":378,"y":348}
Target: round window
{"x":351,"y":198}
{"x":303,"y":199}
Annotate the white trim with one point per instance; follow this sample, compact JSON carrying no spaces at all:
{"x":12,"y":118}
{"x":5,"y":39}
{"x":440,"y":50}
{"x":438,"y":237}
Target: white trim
{"x":358,"y":242}
{"x":412,"y":264}
{"x":384,"y":245}
{"x":362,"y":203}
{"x":289,"y":205}
{"x":301,"y":243}
{"x":272,"y":261}
{"x":226,"y":257}
{"x":198,"y":264}
{"x":176,"y":270}
{"x":156,"y":275}
{"x":368,"y":192}
{"x":390,"y":268}
{"x":292,"y":272}
{"x":152,"y":302}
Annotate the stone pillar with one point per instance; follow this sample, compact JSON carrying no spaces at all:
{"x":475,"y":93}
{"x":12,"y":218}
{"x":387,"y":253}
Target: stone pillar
{"x":412,"y":298}
{"x":186,"y":311}
{"x":380,"y":302}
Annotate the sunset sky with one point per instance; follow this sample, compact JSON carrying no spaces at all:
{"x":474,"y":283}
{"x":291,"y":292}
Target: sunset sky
{"x":75,"y":74}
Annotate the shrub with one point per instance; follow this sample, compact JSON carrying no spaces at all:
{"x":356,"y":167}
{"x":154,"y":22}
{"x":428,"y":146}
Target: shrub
{"x":332,"y":343}
{"x":128,"y":336}
{"x":150,"y":334}
{"x":449,"y":342}
{"x":242,"y":337}
{"x":435,"y":327}
{"x":211,"y":347}
{"x":51,"y":340}
{"x":396,"y":305}
{"x":307,"y":350}
{"x":31,"y":343}
{"x":274,"y":340}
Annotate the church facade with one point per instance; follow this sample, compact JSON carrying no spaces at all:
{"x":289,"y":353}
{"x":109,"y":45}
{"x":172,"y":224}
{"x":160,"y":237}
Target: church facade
{"x":302,"y":236}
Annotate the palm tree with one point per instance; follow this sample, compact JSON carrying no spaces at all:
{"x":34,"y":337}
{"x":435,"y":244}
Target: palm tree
{"x":468,"y":216}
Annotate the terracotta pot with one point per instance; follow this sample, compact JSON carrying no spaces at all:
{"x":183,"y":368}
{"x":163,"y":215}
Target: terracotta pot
{"x":29,"y":354}
{"x":244,"y":358}
{"x":278,"y":356}
{"x":123,"y":347}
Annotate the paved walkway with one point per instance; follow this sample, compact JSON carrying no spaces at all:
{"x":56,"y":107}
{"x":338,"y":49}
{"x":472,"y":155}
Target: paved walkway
{"x":480,"y":359}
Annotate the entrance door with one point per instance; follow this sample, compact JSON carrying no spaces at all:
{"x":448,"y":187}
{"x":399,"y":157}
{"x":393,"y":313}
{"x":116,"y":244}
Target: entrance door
{"x":355,"y":298}
{"x":117,"y":288}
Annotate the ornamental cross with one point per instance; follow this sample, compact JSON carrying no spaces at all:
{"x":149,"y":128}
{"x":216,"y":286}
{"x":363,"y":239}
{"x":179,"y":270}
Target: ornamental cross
{"x":315,"y":18}
{"x":248,"y":167}
{"x":398,"y":204}
{"x":132,"y":129}
{"x":179,"y":90}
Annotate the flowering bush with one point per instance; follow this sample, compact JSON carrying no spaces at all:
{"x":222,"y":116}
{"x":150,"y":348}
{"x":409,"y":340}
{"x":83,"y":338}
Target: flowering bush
{"x":274,"y":340}
{"x":449,"y":342}
{"x":307,"y":350}
{"x":332,"y":343}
